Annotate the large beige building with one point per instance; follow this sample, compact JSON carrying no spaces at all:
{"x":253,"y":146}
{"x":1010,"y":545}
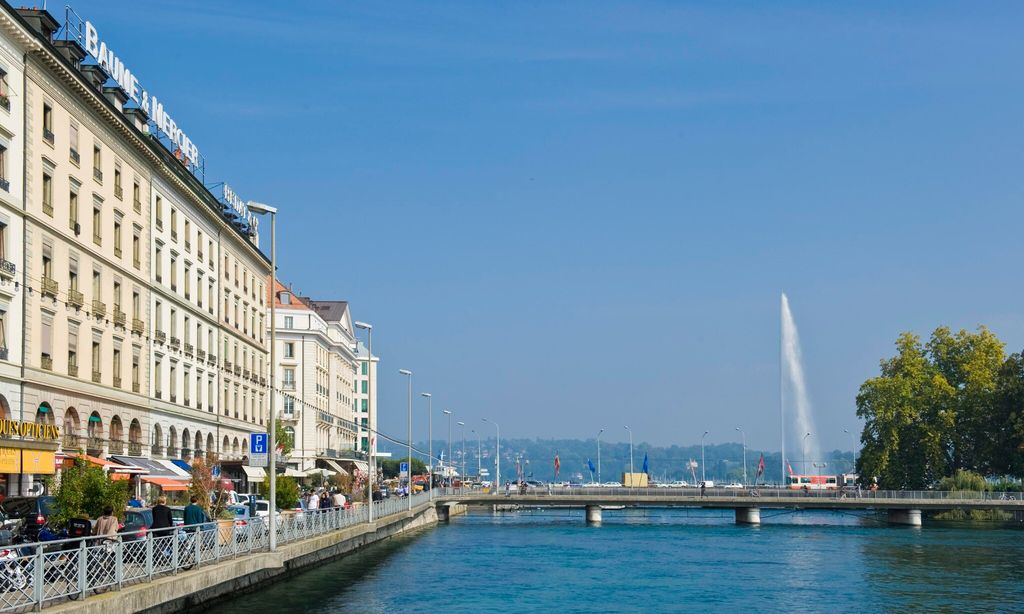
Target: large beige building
{"x":133,"y":316}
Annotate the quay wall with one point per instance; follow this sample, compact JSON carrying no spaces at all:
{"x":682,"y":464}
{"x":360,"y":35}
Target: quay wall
{"x":204,"y":585}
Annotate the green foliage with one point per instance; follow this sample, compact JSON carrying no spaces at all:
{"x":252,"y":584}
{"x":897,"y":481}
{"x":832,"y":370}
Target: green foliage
{"x":390,"y":467}
{"x":85,"y":489}
{"x":281,"y":436}
{"x":964,"y":480}
{"x":951,"y":407}
{"x":286,"y":494}
{"x":204,"y":487}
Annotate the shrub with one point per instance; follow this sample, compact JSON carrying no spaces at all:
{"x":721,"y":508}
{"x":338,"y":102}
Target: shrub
{"x":287,"y":494}
{"x":84,"y":489}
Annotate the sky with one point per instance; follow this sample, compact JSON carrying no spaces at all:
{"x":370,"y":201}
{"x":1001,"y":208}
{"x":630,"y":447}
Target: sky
{"x":581,"y":215}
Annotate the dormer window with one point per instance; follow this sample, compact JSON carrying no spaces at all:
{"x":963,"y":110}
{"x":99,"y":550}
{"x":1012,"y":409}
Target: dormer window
{"x":286,"y":298}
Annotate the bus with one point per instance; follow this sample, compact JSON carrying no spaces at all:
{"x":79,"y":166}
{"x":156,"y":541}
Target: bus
{"x":822,"y":482}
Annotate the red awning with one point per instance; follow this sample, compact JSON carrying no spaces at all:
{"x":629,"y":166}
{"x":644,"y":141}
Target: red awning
{"x":166,"y":484}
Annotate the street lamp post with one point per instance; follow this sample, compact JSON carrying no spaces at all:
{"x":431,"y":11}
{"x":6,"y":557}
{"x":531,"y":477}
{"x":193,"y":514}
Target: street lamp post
{"x":479,"y":448}
{"x":497,"y":459}
{"x":703,"y":478}
{"x":804,"y":442}
{"x":462,"y":428}
{"x":449,"y":413}
{"x":599,"y":456}
{"x":370,"y":469}
{"x":408,"y":374}
{"x":430,"y":445}
{"x":261,"y":208}
{"x":630,"y":453}
{"x":744,"y":454}
{"x":853,"y":446}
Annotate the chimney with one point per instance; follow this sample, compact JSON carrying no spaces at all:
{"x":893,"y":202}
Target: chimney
{"x":116,"y":96}
{"x":139,"y":117}
{"x":41,"y":21}
{"x":95,"y":75}
{"x":71,"y":50}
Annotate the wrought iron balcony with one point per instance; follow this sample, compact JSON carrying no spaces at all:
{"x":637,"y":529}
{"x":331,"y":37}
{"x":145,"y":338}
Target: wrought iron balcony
{"x":118,"y":192}
{"x":138,"y":205}
{"x":76,"y":299}
{"x":70,"y":442}
{"x":201,"y":355}
{"x":46,"y":362}
{"x":7,"y":268}
{"x":99,"y":308}
{"x":211,"y":358}
{"x":117,"y":251}
{"x":155,"y":450}
{"x":116,"y":446}
{"x":48,"y":135}
{"x":134,"y":448}
{"x":97,"y":377}
{"x":117,"y":382}
{"x":135,"y":387}
{"x":94,"y":446}
{"x":227,"y":365}
{"x":4,"y":353}
{"x":75,"y":157}
{"x":48,"y":208}
{"x":50,"y":287}
{"x":73,"y":370}
{"x":160,"y":336}
{"x":175,"y":342}
{"x":120,"y":317}
{"x":246,"y":374}
{"x":138,"y":326}
{"x":238,"y":370}
{"x":5,"y":185}
{"x":189,"y":349}
{"x":97,"y":174}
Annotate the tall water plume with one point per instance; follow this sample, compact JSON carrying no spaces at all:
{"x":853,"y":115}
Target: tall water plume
{"x":795,"y":406}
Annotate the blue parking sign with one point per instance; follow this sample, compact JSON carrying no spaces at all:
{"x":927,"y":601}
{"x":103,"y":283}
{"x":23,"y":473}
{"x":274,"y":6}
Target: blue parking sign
{"x":258,"y":443}
{"x":404,"y":467}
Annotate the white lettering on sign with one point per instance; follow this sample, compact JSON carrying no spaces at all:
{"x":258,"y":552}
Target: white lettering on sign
{"x":124,"y":77}
{"x":235,"y":202}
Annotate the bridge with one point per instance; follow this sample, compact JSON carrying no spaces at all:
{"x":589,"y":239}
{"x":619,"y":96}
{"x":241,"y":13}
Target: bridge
{"x":902,"y":507}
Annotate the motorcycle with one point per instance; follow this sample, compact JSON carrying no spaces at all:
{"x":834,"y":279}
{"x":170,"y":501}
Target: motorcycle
{"x":13,"y":576}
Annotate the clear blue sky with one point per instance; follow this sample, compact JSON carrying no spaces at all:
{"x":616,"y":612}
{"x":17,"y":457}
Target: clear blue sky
{"x":576,"y":215}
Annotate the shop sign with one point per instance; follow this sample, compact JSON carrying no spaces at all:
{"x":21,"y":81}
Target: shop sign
{"x":29,"y":430}
{"x":10,"y":460}
{"x":37,"y":461}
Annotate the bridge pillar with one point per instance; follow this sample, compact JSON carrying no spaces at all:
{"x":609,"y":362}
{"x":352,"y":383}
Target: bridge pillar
{"x":443,"y":513}
{"x":910,"y":518}
{"x":748,"y":515}
{"x":593,"y":514}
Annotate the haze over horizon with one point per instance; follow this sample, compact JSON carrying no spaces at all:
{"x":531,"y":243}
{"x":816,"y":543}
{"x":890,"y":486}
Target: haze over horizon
{"x":578,"y":216}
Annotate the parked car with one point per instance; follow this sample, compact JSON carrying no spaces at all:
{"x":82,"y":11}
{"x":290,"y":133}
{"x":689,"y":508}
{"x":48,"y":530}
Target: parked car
{"x":733,"y":486}
{"x":137,"y":521}
{"x":31,"y":511}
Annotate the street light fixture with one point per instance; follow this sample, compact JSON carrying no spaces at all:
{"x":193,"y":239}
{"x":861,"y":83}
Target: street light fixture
{"x":462,"y":427}
{"x":702,"y":476}
{"x":408,"y":374}
{"x":497,"y":458}
{"x":261,"y":208}
{"x":853,"y":446}
{"x":449,"y":413}
{"x":744,"y":454}
{"x":430,"y":444}
{"x":599,"y":456}
{"x":630,"y":453}
{"x":370,"y":468}
{"x":479,"y":447}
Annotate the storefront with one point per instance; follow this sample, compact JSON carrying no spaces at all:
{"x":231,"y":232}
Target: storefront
{"x":27,"y":456}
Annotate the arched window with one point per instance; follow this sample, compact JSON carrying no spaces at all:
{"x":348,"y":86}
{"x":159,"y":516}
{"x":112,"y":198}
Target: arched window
{"x":5,"y":407}
{"x":186,"y":441}
{"x":198,"y":450}
{"x":225,"y":446}
{"x":135,"y":438}
{"x":71,"y":426}
{"x":95,"y":431}
{"x":172,"y":442}
{"x":211,"y":444}
{"x":234,"y":447}
{"x":44,"y":414}
{"x":291,"y":434}
{"x":116,"y":443}
{"x":158,"y":441}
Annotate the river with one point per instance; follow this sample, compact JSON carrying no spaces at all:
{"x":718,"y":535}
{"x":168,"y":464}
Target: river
{"x":665,"y":560}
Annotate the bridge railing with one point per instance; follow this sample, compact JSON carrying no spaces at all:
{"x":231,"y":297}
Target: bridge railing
{"x":745,"y":492}
{"x":37,"y":575}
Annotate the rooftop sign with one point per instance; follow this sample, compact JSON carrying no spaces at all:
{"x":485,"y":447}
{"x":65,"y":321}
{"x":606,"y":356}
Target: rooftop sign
{"x":240,"y":209}
{"x":149,"y":103}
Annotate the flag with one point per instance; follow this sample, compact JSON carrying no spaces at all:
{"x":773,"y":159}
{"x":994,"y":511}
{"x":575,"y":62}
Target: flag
{"x":558,"y":465}
{"x":760,"y":466}
{"x":590,"y":465}
{"x":646,"y":468}
{"x":790,"y":467}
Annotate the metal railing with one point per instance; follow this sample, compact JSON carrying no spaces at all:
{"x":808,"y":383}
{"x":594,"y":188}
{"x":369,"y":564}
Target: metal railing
{"x":39,"y":575}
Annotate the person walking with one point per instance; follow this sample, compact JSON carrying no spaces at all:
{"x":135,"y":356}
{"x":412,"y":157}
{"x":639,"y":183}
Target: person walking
{"x":107,"y":523}
{"x":194,"y":514}
{"x":162,"y":519}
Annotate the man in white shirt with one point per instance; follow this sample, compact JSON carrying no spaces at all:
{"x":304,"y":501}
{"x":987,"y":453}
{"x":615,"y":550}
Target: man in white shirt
{"x":314,"y":502}
{"x":339,"y":499}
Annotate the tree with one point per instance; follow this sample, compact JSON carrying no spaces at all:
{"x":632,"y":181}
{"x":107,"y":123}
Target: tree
{"x":1005,"y":436}
{"x":206,"y":489}
{"x":282,"y":437}
{"x":390,"y":468}
{"x":286,"y":492}
{"x":84,"y":489}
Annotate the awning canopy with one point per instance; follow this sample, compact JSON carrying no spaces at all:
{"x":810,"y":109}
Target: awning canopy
{"x":112,"y":467}
{"x":166,"y":484}
{"x":155,"y":468}
{"x":182,"y":464}
{"x":294,"y":473}
{"x":333,"y":464}
{"x":255,"y":474}
{"x":174,"y":469}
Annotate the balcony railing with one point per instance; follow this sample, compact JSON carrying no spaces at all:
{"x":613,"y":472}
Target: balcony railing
{"x":160,"y":336}
{"x":99,"y":308}
{"x":138,"y":326}
{"x":94,"y":446}
{"x":201,"y":355}
{"x":246,"y":374}
{"x":118,"y":192}
{"x":76,"y":299}
{"x":134,"y":448}
{"x":120,"y":317}
{"x":189,"y":349}
{"x":155,"y":451}
{"x":175,"y":342}
{"x":50,"y":287}
{"x":73,"y":370}
{"x":97,"y":174}
{"x":238,"y":370}
{"x":116,"y":446}
{"x":117,"y":251}
{"x":48,"y":135}
{"x":211,"y":358}
{"x":75,"y":156}
{"x":46,"y":362}
{"x":227,"y":365}
{"x":137,"y":204}
{"x":7,"y":268}
{"x":48,"y":208}
{"x":117,"y":382}
{"x":5,"y":185}
{"x":186,"y":453}
{"x":97,"y":377}
{"x":5,"y":101}
{"x":288,"y":385}
{"x":135,"y":387}
{"x":70,"y":442}
{"x":4,"y":353}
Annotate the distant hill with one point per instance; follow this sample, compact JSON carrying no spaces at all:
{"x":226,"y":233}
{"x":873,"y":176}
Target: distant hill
{"x":724,"y":462}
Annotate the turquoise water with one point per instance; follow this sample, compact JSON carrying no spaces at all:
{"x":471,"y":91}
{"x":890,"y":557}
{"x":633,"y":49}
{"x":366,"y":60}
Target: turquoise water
{"x":663,"y":560}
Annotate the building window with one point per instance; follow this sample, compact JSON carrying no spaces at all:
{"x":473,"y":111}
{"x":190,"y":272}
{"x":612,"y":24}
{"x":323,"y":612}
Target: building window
{"x":174,"y":224}
{"x":5,"y":183}
{"x":289,"y":378}
{"x":117,"y":368}
{"x":73,"y":212}
{"x":135,"y":373}
{"x":289,"y":322}
{"x":73,"y":138}
{"x":118,"y":191}
{"x":187,"y":231}
{"x":97,"y":226}
{"x":96,"y":361}
{"x":289,"y":350}
{"x":136,"y":251}
{"x":158,"y":264}
{"x":158,"y":379}
{"x":188,"y":282}
{"x":159,"y":213}
{"x":48,"y":123}
{"x":97,"y":163}
{"x":174,"y":273}
{"x":137,"y":197}
{"x":47,"y":194}
{"x":117,"y":238}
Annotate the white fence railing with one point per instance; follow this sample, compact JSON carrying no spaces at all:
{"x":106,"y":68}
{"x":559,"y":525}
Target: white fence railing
{"x":37,"y":575}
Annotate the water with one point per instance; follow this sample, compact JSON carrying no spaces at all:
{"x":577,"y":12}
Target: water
{"x":664,"y":560}
{"x":795,"y":383}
